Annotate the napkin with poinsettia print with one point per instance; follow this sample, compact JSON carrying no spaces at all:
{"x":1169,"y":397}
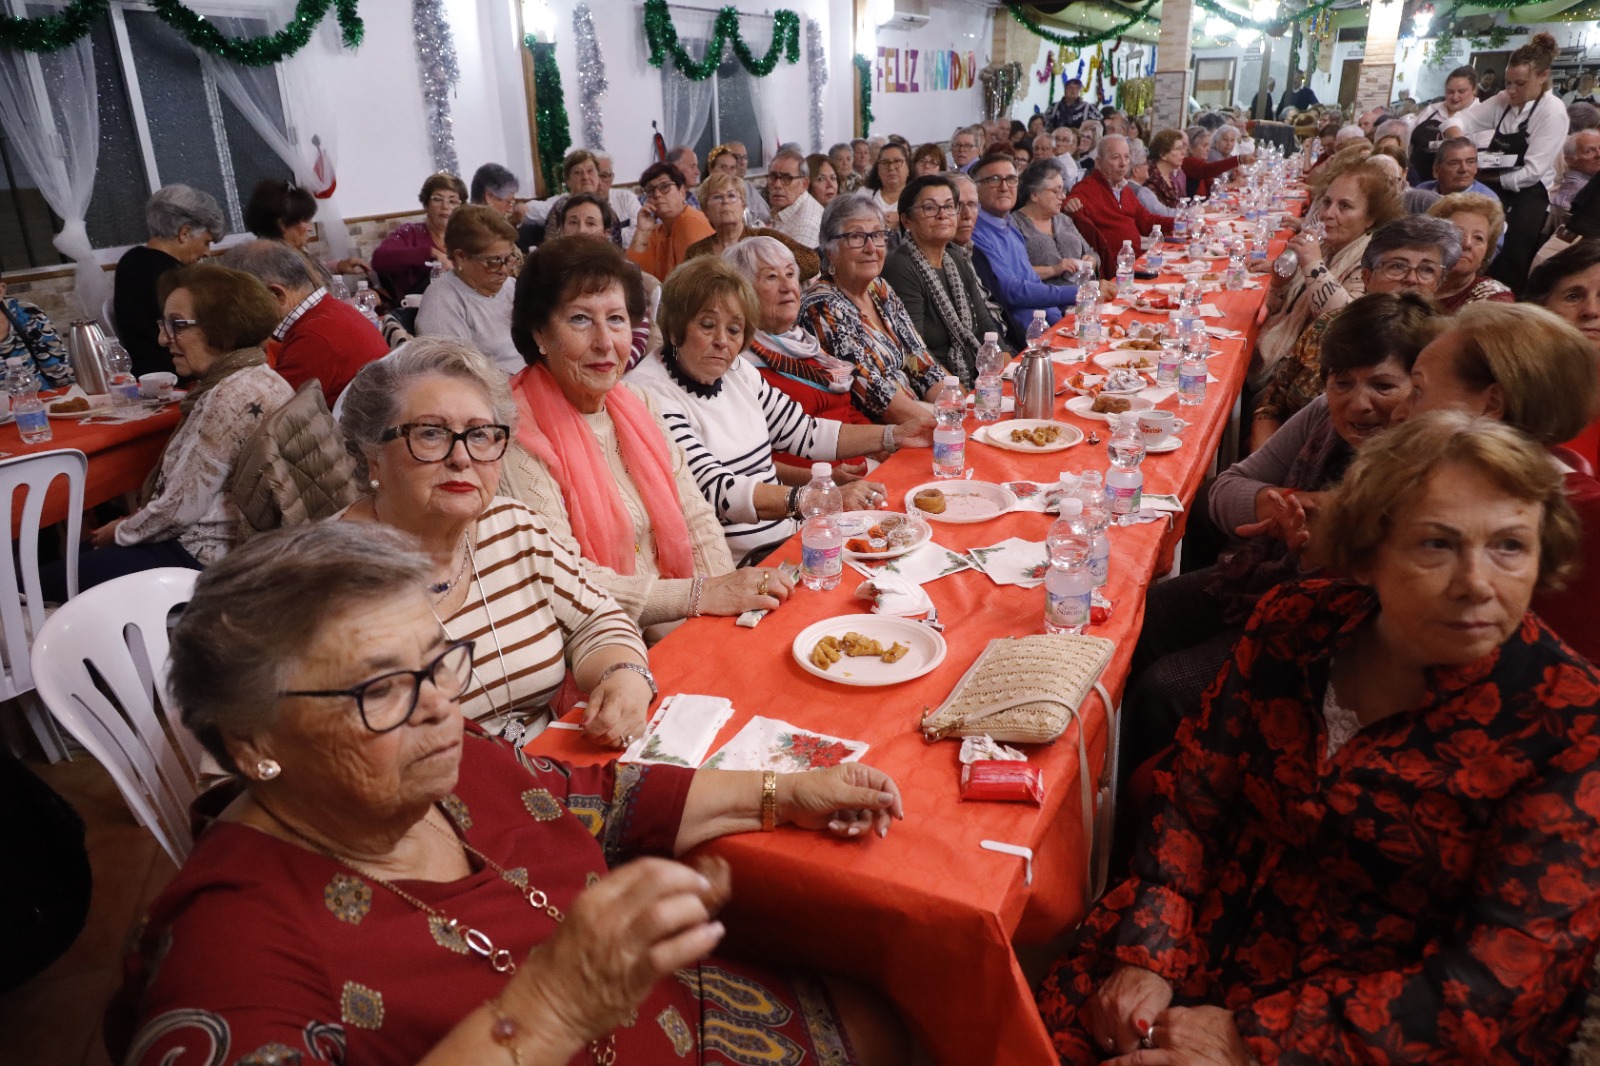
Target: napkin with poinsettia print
{"x":682,"y":730}
{"x":920,"y":565}
{"x":1012,"y":562}
{"x":770,"y":744}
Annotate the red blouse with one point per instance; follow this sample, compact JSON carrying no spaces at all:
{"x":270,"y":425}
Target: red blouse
{"x":1430,"y":893}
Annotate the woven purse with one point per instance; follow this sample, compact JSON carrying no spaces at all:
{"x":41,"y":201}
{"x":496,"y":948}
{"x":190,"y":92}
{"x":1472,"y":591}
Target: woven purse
{"x":1021,"y":690}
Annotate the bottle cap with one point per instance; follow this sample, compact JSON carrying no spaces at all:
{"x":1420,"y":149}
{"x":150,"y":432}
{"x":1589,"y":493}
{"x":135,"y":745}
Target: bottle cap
{"x":1038,"y":312}
{"x":951,"y":379}
{"x":1071,"y":505}
{"x":991,"y":337}
{"x":822,"y":470}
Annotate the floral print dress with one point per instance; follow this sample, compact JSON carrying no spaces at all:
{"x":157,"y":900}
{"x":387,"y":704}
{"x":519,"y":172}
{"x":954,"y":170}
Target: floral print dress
{"x":1428,"y":893}
{"x":885,"y":362}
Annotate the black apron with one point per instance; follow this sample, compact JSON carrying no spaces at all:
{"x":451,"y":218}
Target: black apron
{"x":1526,"y":209}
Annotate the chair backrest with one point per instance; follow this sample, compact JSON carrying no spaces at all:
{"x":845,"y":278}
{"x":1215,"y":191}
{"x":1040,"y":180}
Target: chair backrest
{"x":120,"y":712}
{"x":21,"y":603}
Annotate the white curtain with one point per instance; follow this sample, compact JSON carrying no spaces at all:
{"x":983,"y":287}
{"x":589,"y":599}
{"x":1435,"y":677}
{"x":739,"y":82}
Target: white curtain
{"x":687,"y":104}
{"x":293,"y":116}
{"x":50,"y":113}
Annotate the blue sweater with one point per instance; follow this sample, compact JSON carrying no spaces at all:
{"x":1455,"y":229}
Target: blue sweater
{"x":1003,"y":265}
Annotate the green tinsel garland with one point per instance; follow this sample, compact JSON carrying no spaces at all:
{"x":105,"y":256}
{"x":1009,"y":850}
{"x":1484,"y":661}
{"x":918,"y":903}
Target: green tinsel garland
{"x":49,"y":33}
{"x":550,"y":111}
{"x":864,"y":77}
{"x":1075,"y":41}
{"x":663,"y":38}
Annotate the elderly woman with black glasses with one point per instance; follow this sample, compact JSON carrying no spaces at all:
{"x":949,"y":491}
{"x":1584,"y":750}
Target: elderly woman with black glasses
{"x":473,"y":302}
{"x":857,"y":317}
{"x":431,"y":423}
{"x":935,"y":279}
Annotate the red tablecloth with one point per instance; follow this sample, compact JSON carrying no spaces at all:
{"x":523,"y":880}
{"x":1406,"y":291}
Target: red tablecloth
{"x":926,"y":915}
{"x":120,"y":455}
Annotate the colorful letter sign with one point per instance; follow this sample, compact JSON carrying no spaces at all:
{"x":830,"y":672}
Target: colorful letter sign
{"x":913,"y":70}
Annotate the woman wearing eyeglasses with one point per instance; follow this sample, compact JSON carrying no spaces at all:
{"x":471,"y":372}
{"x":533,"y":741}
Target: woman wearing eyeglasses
{"x":667,"y":225}
{"x":888,"y":178}
{"x":935,"y":279}
{"x":722,"y":197}
{"x":214,"y":323}
{"x":857,"y":317}
{"x":1055,"y":247}
{"x":431,"y":423}
{"x":405,"y":258}
{"x":473,"y":302}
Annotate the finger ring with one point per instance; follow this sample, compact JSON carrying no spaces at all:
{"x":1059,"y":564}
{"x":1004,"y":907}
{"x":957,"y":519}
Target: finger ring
{"x":761,"y":586}
{"x":627,"y":740}
{"x":1149,"y":1038}
{"x":1110,"y":1043}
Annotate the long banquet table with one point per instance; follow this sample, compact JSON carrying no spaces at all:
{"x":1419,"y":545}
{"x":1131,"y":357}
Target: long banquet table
{"x":926,"y":915}
{"x":120,"y":454}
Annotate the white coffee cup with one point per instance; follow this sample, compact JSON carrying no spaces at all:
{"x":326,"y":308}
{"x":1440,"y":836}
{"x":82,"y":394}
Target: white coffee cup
{"x":1156,"y":425}
{"x":157,"y":386}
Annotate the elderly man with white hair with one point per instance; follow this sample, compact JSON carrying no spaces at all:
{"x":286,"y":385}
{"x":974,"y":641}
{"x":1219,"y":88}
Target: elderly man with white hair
{"x":795,"y":212}
{"x":625,"y":203}
{"x":1581,"y":155}
{"x":1066,"y":150}
{"x":1107,"y":198}
{"x":1348,"y":135}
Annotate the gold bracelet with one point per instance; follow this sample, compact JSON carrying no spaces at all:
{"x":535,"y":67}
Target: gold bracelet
{"x":769,"y":801}
{"x":504,"y":1031}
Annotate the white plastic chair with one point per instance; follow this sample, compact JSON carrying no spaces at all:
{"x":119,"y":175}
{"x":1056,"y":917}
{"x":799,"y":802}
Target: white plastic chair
{"x":126,"y":721}
{"x":22,"y":611}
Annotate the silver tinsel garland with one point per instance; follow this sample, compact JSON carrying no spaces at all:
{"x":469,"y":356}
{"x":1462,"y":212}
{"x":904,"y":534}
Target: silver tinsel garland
{"x":816,"y":78}
{"x":436,"y":54}
{"x":591,"y":78}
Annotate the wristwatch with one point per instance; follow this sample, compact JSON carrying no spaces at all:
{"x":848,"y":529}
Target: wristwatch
{"x":638,"y":668}
{"x":889,"y":443}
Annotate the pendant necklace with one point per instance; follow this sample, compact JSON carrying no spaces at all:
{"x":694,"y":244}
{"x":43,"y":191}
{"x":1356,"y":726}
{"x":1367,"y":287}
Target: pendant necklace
{"x":443,"y":588}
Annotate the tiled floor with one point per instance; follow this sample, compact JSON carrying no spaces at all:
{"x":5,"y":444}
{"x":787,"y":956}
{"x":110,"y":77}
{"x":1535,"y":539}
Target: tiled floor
{"x":54,"y":1020}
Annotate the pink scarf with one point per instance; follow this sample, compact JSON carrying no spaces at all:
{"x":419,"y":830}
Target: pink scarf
{"x":561,"y":439}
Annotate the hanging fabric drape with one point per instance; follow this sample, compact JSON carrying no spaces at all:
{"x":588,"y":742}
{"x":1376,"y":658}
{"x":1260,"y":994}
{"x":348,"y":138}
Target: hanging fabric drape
{"x":687,"y":106}
{"x":51,"y":115}
{"x":308,"y":146}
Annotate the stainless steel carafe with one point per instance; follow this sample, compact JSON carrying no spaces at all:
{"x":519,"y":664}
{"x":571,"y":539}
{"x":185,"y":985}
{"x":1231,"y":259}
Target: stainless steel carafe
{"x":1035,"y":385}
{"x":86,"y":351}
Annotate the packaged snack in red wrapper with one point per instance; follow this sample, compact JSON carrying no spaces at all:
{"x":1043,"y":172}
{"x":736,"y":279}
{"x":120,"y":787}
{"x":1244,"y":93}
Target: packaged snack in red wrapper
{"x":1007,"y":782}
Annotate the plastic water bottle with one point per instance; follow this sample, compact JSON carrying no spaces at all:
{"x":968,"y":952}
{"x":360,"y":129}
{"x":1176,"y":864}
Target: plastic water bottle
{"x":1038,"y":327}
{"x":1068,"y":586}
{"x":366,"y":301}
{"x":1180,"y":222}
{"x":1090,"y":324}
{"x":949,"y":436}
{"x":1097,"y":517}
{"x":1125,"y":481}
{"x":338,"y":289}
{"x":1157,"y":254}
{"x":1192,"y":375}
{"x":124,"y":387}
{"x":1170,"y":357}
{"x":23,"y":387}
{"x":1197,"y":243}
{"x":820,"y":541}
{"x":1125,"y":260}
{"x":991,"y":361}
{"x":1189,"y":303}
{"x":1234,"y":277}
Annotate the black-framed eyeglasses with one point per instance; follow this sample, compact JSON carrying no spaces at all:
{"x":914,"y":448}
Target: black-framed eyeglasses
{"x":659,"y":188}
{"x":1426,"y":271}
{"x":388,"y":701}
{"x":1008,"y":180}
{"x":782,"y":178}
{"x":859,"y":240}
{"x":932,"y":210}
{"x":429,"y":443}
{"x":496,"y":263}
{"x":169,"y":327}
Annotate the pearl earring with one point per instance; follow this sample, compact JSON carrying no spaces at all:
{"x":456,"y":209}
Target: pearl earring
{"x":373,"y":484}
{"x":267,"y":769}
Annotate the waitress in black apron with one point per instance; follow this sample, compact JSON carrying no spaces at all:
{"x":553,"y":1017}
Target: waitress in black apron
{"x":1528,"y":124}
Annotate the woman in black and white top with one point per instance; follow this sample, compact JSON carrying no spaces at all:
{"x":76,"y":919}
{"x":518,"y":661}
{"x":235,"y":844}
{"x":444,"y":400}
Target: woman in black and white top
{"x":729,"y":421}
{"x":1529,"y":122}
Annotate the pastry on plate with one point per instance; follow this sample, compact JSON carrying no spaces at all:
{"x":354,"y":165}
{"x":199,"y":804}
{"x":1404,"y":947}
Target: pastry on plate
{"x":929,"y":500}
{"x":1110,"y":405}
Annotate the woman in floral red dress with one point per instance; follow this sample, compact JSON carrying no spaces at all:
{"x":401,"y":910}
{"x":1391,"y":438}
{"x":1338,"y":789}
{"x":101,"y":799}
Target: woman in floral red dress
{"x":1379,"y":840}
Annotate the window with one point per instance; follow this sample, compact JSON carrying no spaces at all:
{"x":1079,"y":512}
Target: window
{"x":162,"y":120}
{"x":735,"y":95}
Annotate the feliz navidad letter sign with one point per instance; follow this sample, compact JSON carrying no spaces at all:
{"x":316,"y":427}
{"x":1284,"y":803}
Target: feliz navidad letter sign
{"x":912,"y":70}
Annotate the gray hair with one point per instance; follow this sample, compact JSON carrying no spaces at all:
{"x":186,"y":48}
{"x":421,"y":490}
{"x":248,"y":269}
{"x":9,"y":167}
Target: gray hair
{"x":791,"y":148}
{"x":1393,"y":128}
{"x":751,"y":254}
{"x":172,"y":207}
{"x":789,"y":152}
{"x":1195,"y":132}
{"x":839,"y":146}
{"x":373,"y":397}
{"x":1225,"y":133}
{"x":1100,"y":146}
{"x":232,"y":655}
{"x":1091,"y":124}
{"x":1413,"y":231}
{"x":1033,"y":178}
{"x":846,"y":208}
{"x":271,"y":263}
{"x":961,"y":177}
{"x":1351,"y":132}
{"x":1138,"y":154}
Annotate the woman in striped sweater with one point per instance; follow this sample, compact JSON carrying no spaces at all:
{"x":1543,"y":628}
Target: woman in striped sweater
{"x":432,"y":422}
{"x":729,"y":420}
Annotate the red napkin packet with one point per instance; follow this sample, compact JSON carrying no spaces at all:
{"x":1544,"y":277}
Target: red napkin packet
{"x":1002,"y":781}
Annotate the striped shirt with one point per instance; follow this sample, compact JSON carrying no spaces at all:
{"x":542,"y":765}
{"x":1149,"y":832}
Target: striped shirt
{"x":729,"y":431}
{"x":532,"y":612}
{"x":885,"y":362}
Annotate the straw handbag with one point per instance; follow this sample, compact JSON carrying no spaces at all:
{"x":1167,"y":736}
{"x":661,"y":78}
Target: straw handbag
{"x":1022,"y":690}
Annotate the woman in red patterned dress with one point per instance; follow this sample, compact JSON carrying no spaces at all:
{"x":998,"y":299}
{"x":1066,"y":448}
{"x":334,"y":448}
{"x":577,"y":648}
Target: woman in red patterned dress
{"x":1378,"y":841}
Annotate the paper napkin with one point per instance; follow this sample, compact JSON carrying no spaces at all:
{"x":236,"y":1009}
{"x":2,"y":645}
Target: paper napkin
{"x":681,"y":731}
{"x":770,"y":744}
{"x":1012,"y":562}
{"x":894,"y":594}
{"x":920,"y":565}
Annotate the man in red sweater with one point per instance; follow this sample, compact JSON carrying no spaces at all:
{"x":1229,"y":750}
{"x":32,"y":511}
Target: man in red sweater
{"x":319,"y":337}
{"x":1106,"y":199}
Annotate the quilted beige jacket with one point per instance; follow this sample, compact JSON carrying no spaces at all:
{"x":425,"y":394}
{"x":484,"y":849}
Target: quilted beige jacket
{"x":294,"y":468}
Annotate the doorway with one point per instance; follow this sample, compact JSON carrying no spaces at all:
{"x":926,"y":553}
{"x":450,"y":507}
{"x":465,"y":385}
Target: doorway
{"x":1349,"y":82}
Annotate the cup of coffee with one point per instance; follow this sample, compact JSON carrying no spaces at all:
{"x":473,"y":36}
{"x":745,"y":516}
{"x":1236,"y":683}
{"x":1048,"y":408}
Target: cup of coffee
{"x":157,"y":386}
{"x":1156,"y":426}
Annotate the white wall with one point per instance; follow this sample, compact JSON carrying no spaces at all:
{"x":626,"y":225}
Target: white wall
{"x":929,"y":114}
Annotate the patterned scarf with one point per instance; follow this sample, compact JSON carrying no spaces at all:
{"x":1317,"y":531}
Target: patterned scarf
{"x":954,"y":310}
{"x":796,"y":355}
{"x":224,"y":366}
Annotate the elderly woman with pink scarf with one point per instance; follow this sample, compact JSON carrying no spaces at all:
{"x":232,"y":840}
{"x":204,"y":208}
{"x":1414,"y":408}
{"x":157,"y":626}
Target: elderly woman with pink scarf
{"x":593,"y":458}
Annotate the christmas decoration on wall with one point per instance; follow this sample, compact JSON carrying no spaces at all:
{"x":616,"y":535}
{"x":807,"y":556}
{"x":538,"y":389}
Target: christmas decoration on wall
{"x":591,"y":77}
{"x":1097,"y":67}
{"x":1000,"y":82}
{"x":816,"y":78}
{"x":1069,"y":40}
{"x":436,"y":54}
{"x":663,"y":38}
{"x":864,"y":80}
{"x":549,"y":111}
{"x":48,"y":33}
